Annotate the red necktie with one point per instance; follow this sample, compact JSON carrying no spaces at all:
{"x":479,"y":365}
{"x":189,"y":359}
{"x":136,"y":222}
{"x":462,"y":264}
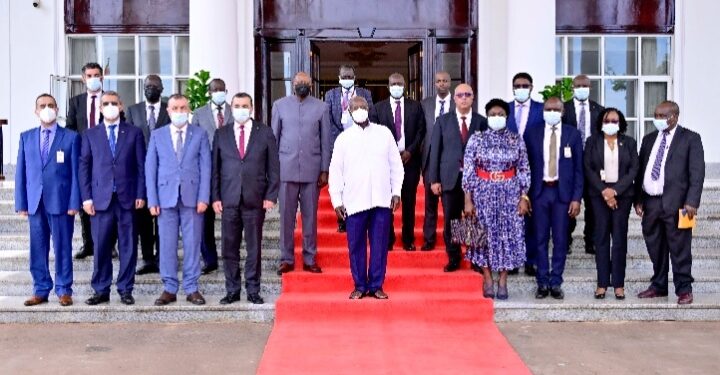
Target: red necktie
{"x":241,"y":142}
{"x":91,"y":120}
{"x":220,"y":117}
{"x":464,"y":130}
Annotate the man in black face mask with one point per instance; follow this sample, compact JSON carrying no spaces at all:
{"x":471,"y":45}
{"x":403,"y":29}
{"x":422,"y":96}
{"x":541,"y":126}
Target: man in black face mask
{"x":148,"y":115}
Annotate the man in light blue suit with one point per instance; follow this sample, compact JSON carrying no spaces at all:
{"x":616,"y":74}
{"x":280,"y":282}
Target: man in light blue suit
{"x":47,"y":192}
{"x":178,"y":168}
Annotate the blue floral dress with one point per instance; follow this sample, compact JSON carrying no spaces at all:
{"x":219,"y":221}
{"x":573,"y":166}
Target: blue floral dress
{"x":496,"y":202}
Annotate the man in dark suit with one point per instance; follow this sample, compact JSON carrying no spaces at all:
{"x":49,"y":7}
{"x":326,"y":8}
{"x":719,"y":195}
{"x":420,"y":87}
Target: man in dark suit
{"x":149,"y":115}
{"x":582,"y":112}
{"x":556,"y":168}
{"x":406,"y":120}
{"x":434,"y":107}
{"x":245,"y":183}
{"x":338,"y":101}
{"x":669,"y":182}
{"x":447,"y":149}
{"x":84,"y":113}
{"x":112,"y":186}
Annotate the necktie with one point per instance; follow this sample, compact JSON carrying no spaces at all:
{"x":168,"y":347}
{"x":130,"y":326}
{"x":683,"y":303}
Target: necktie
{"x":111,"y":138}
{"x":518,"y":117}
{"x":220,"y":117}
{"x":552,"y":163}
{"x":442,"y":108}
{"x":45,"y":146}
{"x":91,"y":120}
{"x":345,"y":101}
{"x":655,"y":175}
{"x":398,"y":121}
{"x":151,"y":118}
{"x":179,"y":145}
{"x":241,"y":142}
{"x":581,"y":122}
{"x":464,"y":130}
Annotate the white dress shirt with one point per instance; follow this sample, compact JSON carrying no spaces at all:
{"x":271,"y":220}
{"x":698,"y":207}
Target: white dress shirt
{"x":98,"y":107}
{"x":525,"y":114}
{"x":446,"y":105}
{"x":156,"y":111}
{"x":651,"y":187}
{"x":366,"y":170}
{"x":345,"y":119}
{"x":174,"y":134}
{"x":248,"y":130}
{"x":401,"y":140}
{"x":588,"y":126}
{"x":546,"y":151}
{"x":215,"y":109}
{"x":611,"y":163}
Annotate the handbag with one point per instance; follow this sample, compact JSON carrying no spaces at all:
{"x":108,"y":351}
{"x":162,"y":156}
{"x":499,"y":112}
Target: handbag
{"x":468,"y":231}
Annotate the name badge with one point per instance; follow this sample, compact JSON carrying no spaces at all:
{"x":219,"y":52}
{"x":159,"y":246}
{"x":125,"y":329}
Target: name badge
{"x":602,"y":175}
{"x":568,"y":152}
{"x":60,"y":157}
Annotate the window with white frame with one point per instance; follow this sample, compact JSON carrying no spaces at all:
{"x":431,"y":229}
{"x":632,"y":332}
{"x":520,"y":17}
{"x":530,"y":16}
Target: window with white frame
{"x":630,"y":72}
{"x":127,"y":60}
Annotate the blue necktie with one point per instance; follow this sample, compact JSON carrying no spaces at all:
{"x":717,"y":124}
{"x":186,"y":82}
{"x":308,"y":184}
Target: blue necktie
{"x":45,"y":146}
{"x":111,"y":138}
{"x":179,"y":145}
{"x":581,"y":122}
{"x":655,"y":175}
{"x":151,"y":118}
{"x":442,"y":108}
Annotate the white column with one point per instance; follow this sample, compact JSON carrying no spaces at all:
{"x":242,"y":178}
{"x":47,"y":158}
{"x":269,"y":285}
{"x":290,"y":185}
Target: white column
{"x":246,"y":47}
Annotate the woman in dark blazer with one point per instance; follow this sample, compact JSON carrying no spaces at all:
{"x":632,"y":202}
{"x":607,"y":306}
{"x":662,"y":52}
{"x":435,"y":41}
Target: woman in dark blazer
{"x":611,"y":164}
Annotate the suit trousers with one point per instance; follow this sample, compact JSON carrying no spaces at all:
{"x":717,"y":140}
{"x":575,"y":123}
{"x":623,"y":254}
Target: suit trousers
{"x":147,"y":229}
{"x":666,"y":243}
{"x":550,"y":215}
{"x":453,"y":202}
{"x":114,"y":219}
{"x":431,"y":213}
{"x":589,"y":228}
{"x":208,"y":249}
{"x":370,"y":225}
{"x":408,"y":197}
{"x":87,"y":240}
{"x":307,"y":194}
{"x":235,"y":221}
{"x":43,"y":226}
{"x":611,"y":224}
{"x":530,"y":242}
{"x":171,"y":221}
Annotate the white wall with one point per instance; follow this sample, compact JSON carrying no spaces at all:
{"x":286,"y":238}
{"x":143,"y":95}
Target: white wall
{"x":5,"y":73}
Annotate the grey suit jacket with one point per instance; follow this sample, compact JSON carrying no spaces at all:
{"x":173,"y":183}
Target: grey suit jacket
{"x":428,"y":106}
{"x":137,"y":115}
{"x":203,"y":117}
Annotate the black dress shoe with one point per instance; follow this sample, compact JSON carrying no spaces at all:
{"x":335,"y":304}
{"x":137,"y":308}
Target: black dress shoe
{"x":84,"y":253}
{"x":514,"y":271}
{"x":452,"y":266}
{"x":230,"y":298}
{"x":127,"y":299}
{"x":557,"y":292}
{"x":530,"y":270}
{"x":379,"y":294}
{"x":98,"y":299}
{"x":427,"y":246}
{"x":255,"y":298}
{"x":542,"y":292}
{"x":341,"y":227}
{"x":357,"y":294}
{"x":147,"y":269}
{"x":207,"y":269}
{"x":409,"y":247}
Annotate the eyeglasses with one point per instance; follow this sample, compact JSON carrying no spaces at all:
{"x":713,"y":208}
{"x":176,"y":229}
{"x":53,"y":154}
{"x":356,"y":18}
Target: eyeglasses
{"x":105,"y":104}
{"x":464,"y":95}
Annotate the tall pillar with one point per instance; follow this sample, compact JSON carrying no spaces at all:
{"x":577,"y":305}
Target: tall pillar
{"x":246,"y":46}
{"x":214,"y":40}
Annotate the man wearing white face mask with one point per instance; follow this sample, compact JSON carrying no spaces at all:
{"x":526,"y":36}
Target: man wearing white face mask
{"x":245,"y":183}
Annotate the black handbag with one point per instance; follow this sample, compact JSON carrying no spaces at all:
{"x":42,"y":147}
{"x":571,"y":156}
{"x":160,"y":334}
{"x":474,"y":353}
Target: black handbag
{"x":468,"y":231}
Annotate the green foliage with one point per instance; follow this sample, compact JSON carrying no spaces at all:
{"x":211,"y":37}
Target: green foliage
{"x":562,"y":90}
{"x":197,"y":89}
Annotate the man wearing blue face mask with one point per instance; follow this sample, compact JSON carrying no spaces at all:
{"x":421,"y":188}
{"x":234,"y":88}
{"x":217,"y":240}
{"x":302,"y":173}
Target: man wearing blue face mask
{"x":211,"y":117}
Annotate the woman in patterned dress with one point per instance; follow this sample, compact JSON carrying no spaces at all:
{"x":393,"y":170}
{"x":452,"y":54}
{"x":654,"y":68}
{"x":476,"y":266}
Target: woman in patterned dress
{"x":496,"y":178}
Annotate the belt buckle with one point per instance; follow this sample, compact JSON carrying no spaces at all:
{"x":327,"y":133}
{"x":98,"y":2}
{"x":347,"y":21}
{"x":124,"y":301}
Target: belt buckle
{"x":497,"y":176}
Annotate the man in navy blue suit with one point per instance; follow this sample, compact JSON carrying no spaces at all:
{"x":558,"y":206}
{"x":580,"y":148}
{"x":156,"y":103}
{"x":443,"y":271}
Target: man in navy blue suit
{"x":556,"y":187}
{"x":112,"y":186}
{"x":46,"y":191}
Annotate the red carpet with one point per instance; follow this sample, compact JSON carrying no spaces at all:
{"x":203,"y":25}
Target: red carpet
{"x":433,"y":323}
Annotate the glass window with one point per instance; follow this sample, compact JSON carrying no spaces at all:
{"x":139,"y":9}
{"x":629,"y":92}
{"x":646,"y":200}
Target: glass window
{"x":655,"y":93}
{"x":82,"y":51}
{"x":181,"y":86}
{"x":124,"y":87}
{"x":649,"y":127}
{"x":559,"y":60}
{"x":655,"y":55}
{"x":620,"y":93}
{"x":182,"y":55}
{"x":155,"y":55}
{"x":621,"y":56}
{"x":583,"y":55}
{"x":119,"y":55}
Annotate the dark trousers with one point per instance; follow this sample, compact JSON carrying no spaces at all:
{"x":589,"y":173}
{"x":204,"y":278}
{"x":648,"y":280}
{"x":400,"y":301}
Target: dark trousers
{"x":235,"y":221}
{"x":147,"y":229}
{"x":208,"y":248}
{"x":589,"y":229}
{"x":453,"y":202}
{"x":371,"y":225}
{"x":45,"y":227}
{"x":530,"y":242}
{"x":104,"y":223}
{"x":611,"y":224}
{"x":408,"y":196}
{"x":431,"y":213}
{"x":550,"y":215}
{"x":666,"y":243}
{"x":87,"y":240}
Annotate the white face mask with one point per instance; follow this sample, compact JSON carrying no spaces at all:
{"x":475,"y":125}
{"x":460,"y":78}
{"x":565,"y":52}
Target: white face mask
{"x":93,"y":84}
{"x":552,"y":117}
{"x":218,"y":97}
{"x":610,"y":128}
{"x":360,"y":115}
{"x":241,"y":114}
{"x":347,"y":83}
{"x":47,"y":115}
{"x":111,"y":113}
{"x":397,"y":91}
{"x":497,"y":122}
{"x":660,"y":124}
{"x":581,"y":93}
{"x":179,"y":119}
{"x":522,"y":95}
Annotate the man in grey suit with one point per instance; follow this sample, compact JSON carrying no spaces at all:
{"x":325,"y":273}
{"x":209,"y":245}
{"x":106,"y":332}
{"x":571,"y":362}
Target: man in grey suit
{"x":216,"y":114}
{"x":301,"y":125}
{"x":149,"y":115}
{"x":434,"y":107}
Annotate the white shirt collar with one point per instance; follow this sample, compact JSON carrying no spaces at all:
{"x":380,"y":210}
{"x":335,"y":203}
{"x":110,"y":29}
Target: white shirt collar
{"x":468,"y":117}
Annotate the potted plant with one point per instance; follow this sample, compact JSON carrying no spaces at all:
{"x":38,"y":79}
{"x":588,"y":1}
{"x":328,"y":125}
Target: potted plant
{"x":563,"y":89}
{"x":197,"y":90}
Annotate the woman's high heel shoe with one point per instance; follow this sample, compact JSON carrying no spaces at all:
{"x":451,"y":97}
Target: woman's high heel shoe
{"x":621,"y":295}
{"x":502,"y":292}
{"x":600,"y":295}
{"x":489,"y":290}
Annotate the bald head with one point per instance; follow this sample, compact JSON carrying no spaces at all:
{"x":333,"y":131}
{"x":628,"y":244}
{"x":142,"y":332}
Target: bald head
{"x":463,"y":98}
{"x":301,"y":84}
{"x":301,"y":77}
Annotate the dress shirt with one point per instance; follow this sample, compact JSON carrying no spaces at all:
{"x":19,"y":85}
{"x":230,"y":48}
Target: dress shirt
{"x":401,"y":140}
{"x":525,"y":114}
{"x":215,"y":109}
{"x":345,"y":119}
{"x":156,"y":107}
{"x":612,"y":163}
{"x":546,"y":151}
{"x":446,"y":105}
{"x":53,"y":131}
{"x":248,"y":130}
{"x":174,"y":134}
{"x":655,"y":188}
{"x":98,"y":107}
{"x":588,"y":125}
{"x":468,"y":120}
{"x":366,"y":170}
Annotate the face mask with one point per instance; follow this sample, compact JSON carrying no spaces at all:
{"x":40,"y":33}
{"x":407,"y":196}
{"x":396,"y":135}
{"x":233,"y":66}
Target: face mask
{"x":660,"y":124}
{"x":302,"y":90}
{"x":47,"y":115}
{"x":111,"y":112}
{"x":552,"y":117}
{"x":360,"y":116}
{"x":347,"y":83}
{"x":610,"y":128}
{"x":521,"y":95}
{"x":496,"y":122}
{"x":218,"y":97}
{"x":152,"y":94}
{"x":93,"y":84}
{"x":581,"y":93}
{"x":397,"y":91}
{"x":241,"y":114}
{"x":178,"y":118}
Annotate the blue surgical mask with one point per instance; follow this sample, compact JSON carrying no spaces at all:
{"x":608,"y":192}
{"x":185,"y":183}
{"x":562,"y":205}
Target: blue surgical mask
{"x":581,"y":93}
{"x":179,"y":118}
{"x":397,"y":91}
{"x":347,"y":83}
{"x":522,"y":95}
{"x":241,"y":114}
{"x":497,"y":122}
{"x":552,"y":117}
{"x":218,"y":97}
{"x":610,"y":128}
{"x":660,"y":124}
{"x":93,"y":84}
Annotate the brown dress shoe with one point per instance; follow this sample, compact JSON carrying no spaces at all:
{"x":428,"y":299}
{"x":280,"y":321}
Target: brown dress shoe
{"x":165,"y":298}
{"x":196,"y":298}
{"x":313,"y":269}
{"x":651,"y":293}
{"x":285,"y":268}
{"x":35,"y":300}
{"x":685,"y":298}
{"x":66,"y":300}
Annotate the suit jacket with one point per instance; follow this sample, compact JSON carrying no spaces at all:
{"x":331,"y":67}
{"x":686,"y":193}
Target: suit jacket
{"x":594,"y":160}
{"x":570,"y":117}
{"x":166,"y":177}
{"x":137,"y":115}
{"x":252,"y":179}
{"x":428,"y":106}
{"x":333,"y":98}
{"x":77,"y":113}
{"x":570,"y":170}
{"x":55,"y":183}
{"x":413,"y":122}
{"x":203,"y":117}
{"x":99,"y":171}
{"x":535,"y":117}
{"x":447,"y":150}
{"x":684,"y":170}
